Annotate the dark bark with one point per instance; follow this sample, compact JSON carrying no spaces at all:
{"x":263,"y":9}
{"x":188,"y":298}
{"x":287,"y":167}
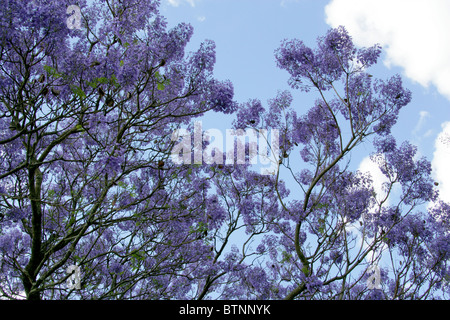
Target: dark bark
{"x":32,"y":268}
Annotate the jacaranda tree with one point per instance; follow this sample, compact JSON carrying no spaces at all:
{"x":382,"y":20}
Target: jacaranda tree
{"x":87,"y":116}
{"x":86,"y":121}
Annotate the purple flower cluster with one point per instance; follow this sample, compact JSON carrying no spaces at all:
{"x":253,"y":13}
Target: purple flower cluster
{"x":399,"y":164}
{"x":332,"y":58}
{"x":17,"y":214}
{"x":248,"y":115}
{"x":13,"y":242}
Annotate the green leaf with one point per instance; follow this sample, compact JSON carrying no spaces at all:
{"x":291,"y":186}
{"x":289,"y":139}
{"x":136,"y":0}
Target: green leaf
{"x":102,"y":80}
{"x":322,"y":226}
{"x":52,"y":71}
{"x":161,"y":81}
{"x":78,"y":91}
{"x":93,"y":84}
{"x":121,"y":63}
{"x":321,"y":205}
{"x":49,"y":69}
{"x":305,"y":270}
{"x":286,"y":257}
{"x":113,"y":81}
{"x":137,"y":256}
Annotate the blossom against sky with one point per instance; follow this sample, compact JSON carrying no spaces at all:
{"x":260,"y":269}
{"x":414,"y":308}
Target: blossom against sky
{"x":411,"y":32}
{"x":414,"y":34}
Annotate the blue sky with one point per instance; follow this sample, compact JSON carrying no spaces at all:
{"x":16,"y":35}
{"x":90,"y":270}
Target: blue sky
{"x":413,"y":34}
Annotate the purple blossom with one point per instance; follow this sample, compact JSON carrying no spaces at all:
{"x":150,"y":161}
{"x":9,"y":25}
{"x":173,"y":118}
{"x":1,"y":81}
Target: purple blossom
{"x":17,"y":214}
{"x":222,"y":95}
{"x":260,"y":248}
{"x":369,"y":56}
{"x":248,"y":114}
{"x":336,"y":256}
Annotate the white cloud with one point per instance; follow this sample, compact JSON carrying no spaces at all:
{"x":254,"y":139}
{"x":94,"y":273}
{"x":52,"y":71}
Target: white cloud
{"x":201,"y":18}
{"x":414,"y":34}
{"x":441,"y":164}
{"x":176,"y":3}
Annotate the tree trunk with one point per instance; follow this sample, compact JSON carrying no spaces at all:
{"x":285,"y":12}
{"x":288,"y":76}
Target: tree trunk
{"x":31,"y":270}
